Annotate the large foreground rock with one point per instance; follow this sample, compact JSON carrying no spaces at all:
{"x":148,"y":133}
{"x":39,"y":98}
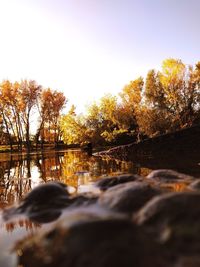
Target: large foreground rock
{"x":173,"y":219}
{"x":99,"y":243}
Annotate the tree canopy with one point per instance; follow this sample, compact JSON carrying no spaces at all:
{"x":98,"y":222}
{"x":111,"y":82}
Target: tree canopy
{"x":165,"y":101}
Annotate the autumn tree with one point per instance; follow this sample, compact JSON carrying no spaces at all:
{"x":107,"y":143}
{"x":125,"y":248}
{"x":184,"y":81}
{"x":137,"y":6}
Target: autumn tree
{"x":131,"y":97}
{"x":10,"y":111}
{"x":108,"y":111}
{"x":5,"y":113}
{"x":102,"y":120}
{"x":93,"y":122}
{"x":58,"y":103}
{"x":50,"y":106}
{"x":73,"y":128}
{"x":44,"y":113}
{"x":171,"y":98}
{"x":21,"y":103}
{"x":30,"y":92}
{"x":152,"y":116}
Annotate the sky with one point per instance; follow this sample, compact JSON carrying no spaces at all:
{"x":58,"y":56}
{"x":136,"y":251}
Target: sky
{"x":87,"y":48}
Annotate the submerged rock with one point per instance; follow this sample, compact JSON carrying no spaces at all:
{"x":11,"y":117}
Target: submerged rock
{"x":107,"y":182}
{"x":128,"y":197}
{"x":165,"y":175}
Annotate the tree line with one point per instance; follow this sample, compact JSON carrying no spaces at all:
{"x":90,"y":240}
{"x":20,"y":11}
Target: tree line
{"x":166,"y":101}
{"x":25,"y":105}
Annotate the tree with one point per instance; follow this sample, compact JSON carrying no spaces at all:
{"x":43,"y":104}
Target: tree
{"x":9,"y":106}
{"x":152,"y":117}
{"x":108,"y":111}
{"x":171,"y":98}
{"x":131,"y":97}
{"x":58,"y":103}
{"x":181,"y":88}
{"x":93,"y":122}
{"x":154,"y":92}
{"x":50,"y":106}
{"x":73,"y":129}
{"x":20,"y":103}
{"x":30,"y":92}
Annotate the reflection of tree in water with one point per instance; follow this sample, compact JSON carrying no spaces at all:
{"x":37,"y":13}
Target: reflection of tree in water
{"x":15,"y":180}
{"x":79,"y":168}
{"x":26,"y":224}
{"x":49,"y":166}
{"x":20,"y":173}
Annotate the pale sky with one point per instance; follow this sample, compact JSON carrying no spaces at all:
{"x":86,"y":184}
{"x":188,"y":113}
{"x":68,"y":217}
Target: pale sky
{"x":87,"y":48}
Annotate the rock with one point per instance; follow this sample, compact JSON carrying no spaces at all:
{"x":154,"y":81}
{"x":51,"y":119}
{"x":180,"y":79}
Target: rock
{"x":98,"y":243}
{"x":128,"y":197}
{"x":170,"y":207}
{"x":195,"y":185}
{"x":107,"y":182}
{"x":192,"y":261}
{"x":166,"y":175}
{"x":46,"y":202}
{"x":46,"y":194}
{"x":173,"y":219}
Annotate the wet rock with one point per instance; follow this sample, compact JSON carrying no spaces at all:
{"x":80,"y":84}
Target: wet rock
{"x":52,"y":193}
{"x":192,"y":261}
{"x":98,"y":243}
{"x":173,"y":219}
{"x":128,"y":197}
{"x":195,"y":185}
{"x":166,"y":175}
{"x":107,"y":182}
{"x":46,"y":202}
{"x":170,"y":207}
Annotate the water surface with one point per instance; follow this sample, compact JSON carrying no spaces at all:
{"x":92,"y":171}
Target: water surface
{"x":20,"y":173}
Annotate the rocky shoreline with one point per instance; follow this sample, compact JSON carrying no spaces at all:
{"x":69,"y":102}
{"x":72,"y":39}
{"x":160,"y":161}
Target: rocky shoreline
{"x":128,"y":220}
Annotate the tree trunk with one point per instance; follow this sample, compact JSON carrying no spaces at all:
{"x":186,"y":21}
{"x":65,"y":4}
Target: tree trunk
{"x":7,"y":130}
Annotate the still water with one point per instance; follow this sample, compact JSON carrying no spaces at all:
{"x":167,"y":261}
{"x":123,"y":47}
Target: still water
{"x":20,"y":173}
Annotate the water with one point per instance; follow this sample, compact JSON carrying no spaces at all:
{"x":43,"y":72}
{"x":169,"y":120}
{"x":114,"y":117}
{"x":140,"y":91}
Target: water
{"x":20,"y":173}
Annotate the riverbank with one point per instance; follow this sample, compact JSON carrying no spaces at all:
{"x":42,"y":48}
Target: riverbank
{"x":184,"y":143}
{"x":45,"y":147}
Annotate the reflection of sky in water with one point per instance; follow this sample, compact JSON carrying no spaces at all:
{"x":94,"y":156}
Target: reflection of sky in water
{"x":35,"y":177}
{"x":10,"y":233}
{"x":19,"y":175}
{"x":73,"y":167}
